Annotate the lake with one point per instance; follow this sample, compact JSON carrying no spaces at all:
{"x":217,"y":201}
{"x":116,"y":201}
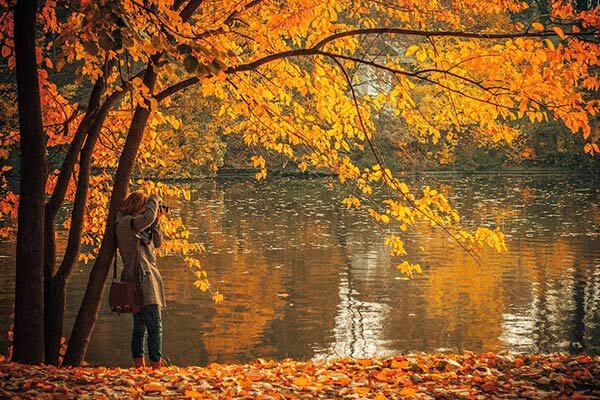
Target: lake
{"x":306,"y":278}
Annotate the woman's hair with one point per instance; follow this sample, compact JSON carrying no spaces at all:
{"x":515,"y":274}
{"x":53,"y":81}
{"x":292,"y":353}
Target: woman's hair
{"x":134,"y":203}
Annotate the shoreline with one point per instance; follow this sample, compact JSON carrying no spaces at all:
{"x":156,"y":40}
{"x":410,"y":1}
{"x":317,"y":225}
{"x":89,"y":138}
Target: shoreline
{"x":248,"y":174}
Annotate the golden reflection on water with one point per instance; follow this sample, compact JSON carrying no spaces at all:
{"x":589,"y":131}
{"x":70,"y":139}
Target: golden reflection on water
{"x":305,"y":278}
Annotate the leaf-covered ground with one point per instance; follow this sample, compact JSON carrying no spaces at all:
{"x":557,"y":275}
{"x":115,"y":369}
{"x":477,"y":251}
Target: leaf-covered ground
{"x":420,"y":376}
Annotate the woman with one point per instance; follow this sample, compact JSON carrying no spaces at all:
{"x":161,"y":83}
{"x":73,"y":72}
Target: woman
{"x":138,"y":235}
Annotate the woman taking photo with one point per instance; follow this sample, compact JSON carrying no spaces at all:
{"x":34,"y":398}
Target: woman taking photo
{"x":138,"y":235}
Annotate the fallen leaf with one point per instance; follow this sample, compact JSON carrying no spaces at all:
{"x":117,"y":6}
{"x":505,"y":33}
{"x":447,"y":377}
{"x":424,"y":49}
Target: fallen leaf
{"x":301,"y":381}
{"x":407,"y":391}
{"x":400,"y":364}
{"x":192,"y":394}
{"x":154,"y":387}
{"x":362,"y":390}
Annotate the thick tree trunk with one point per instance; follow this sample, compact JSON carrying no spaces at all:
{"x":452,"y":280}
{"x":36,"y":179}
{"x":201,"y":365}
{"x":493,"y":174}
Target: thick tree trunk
{"x":56,"y":286}
{"x":29,"y":286}
{"x":90,"y":306}
{"x":54,"y":310}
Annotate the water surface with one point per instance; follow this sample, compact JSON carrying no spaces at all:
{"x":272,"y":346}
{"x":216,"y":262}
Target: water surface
{"x":303,"y":277}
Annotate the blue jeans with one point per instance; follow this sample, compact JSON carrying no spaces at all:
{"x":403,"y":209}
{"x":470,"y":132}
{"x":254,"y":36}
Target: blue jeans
{"x":147,"y":319}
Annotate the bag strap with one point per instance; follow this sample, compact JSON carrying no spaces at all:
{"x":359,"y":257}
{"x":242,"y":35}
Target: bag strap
{"x":115,"y":263}
{"x":137,"y":276}
{"x":115,"y":257}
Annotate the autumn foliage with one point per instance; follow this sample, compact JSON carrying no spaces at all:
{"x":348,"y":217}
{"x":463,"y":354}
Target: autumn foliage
{"x":125,"y":86}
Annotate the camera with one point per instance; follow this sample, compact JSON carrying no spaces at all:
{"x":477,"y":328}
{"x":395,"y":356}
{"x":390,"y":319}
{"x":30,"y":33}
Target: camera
{"x":164,"y":209}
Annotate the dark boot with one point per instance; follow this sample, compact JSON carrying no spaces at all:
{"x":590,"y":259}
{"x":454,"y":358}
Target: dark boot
{"x":156,"y":364}
{"x":139,"y":362}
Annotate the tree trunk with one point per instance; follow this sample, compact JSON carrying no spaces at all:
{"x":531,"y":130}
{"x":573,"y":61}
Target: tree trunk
{"x":54,"y":310}
{"x":90,"y":306}
{"x":29,"y":286}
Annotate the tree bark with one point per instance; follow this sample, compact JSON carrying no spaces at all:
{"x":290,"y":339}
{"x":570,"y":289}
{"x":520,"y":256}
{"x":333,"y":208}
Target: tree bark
{"x":56,"y":285}
{"x":90,"y":306}
{"x":29,"y":286}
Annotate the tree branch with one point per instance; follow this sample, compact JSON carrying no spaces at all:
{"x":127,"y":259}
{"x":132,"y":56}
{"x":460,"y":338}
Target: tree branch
{"x":386,"y":174}
{"x":79,"y":203}
{"x":316,"y":49}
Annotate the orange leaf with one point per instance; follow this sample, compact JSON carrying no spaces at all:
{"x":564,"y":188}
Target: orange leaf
{"x":344,"y":381}
{"x":192,"y":394}
{"x":254,"y":375}
{"x":365,"y":362}
{"x":537,"y":26}
{"x":380,"y":396}
{"x":408,"y":391}
{"x":362,"y":390}
{"x":559,"y":32}
{"x":154,"y":387}
{"x":519,"y":362}
{"x":400,"y":364}
{"x":382,"y":376}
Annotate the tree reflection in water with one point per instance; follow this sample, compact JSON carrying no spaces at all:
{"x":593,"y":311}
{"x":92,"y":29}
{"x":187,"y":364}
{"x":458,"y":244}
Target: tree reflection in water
{"x":303,"y":277}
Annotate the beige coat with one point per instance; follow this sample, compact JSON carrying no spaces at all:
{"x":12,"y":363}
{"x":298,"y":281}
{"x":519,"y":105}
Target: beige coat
{"x":151,"y":282}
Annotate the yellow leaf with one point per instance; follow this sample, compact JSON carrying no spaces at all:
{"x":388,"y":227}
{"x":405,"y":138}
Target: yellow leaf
{"x":301,"y":381}
{"x":537,"y":26}
{"x":411,"y":50}
{"x":217,"y":297}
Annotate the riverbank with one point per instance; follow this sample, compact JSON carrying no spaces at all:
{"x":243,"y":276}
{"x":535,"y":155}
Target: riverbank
{"x":419,"y":376}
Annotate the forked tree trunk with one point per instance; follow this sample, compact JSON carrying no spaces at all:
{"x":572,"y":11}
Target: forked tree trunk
{"x":29,"y":286}
{"x":56,"y":285}
{"x":53,"y":306}
{"x":90,"y":306}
